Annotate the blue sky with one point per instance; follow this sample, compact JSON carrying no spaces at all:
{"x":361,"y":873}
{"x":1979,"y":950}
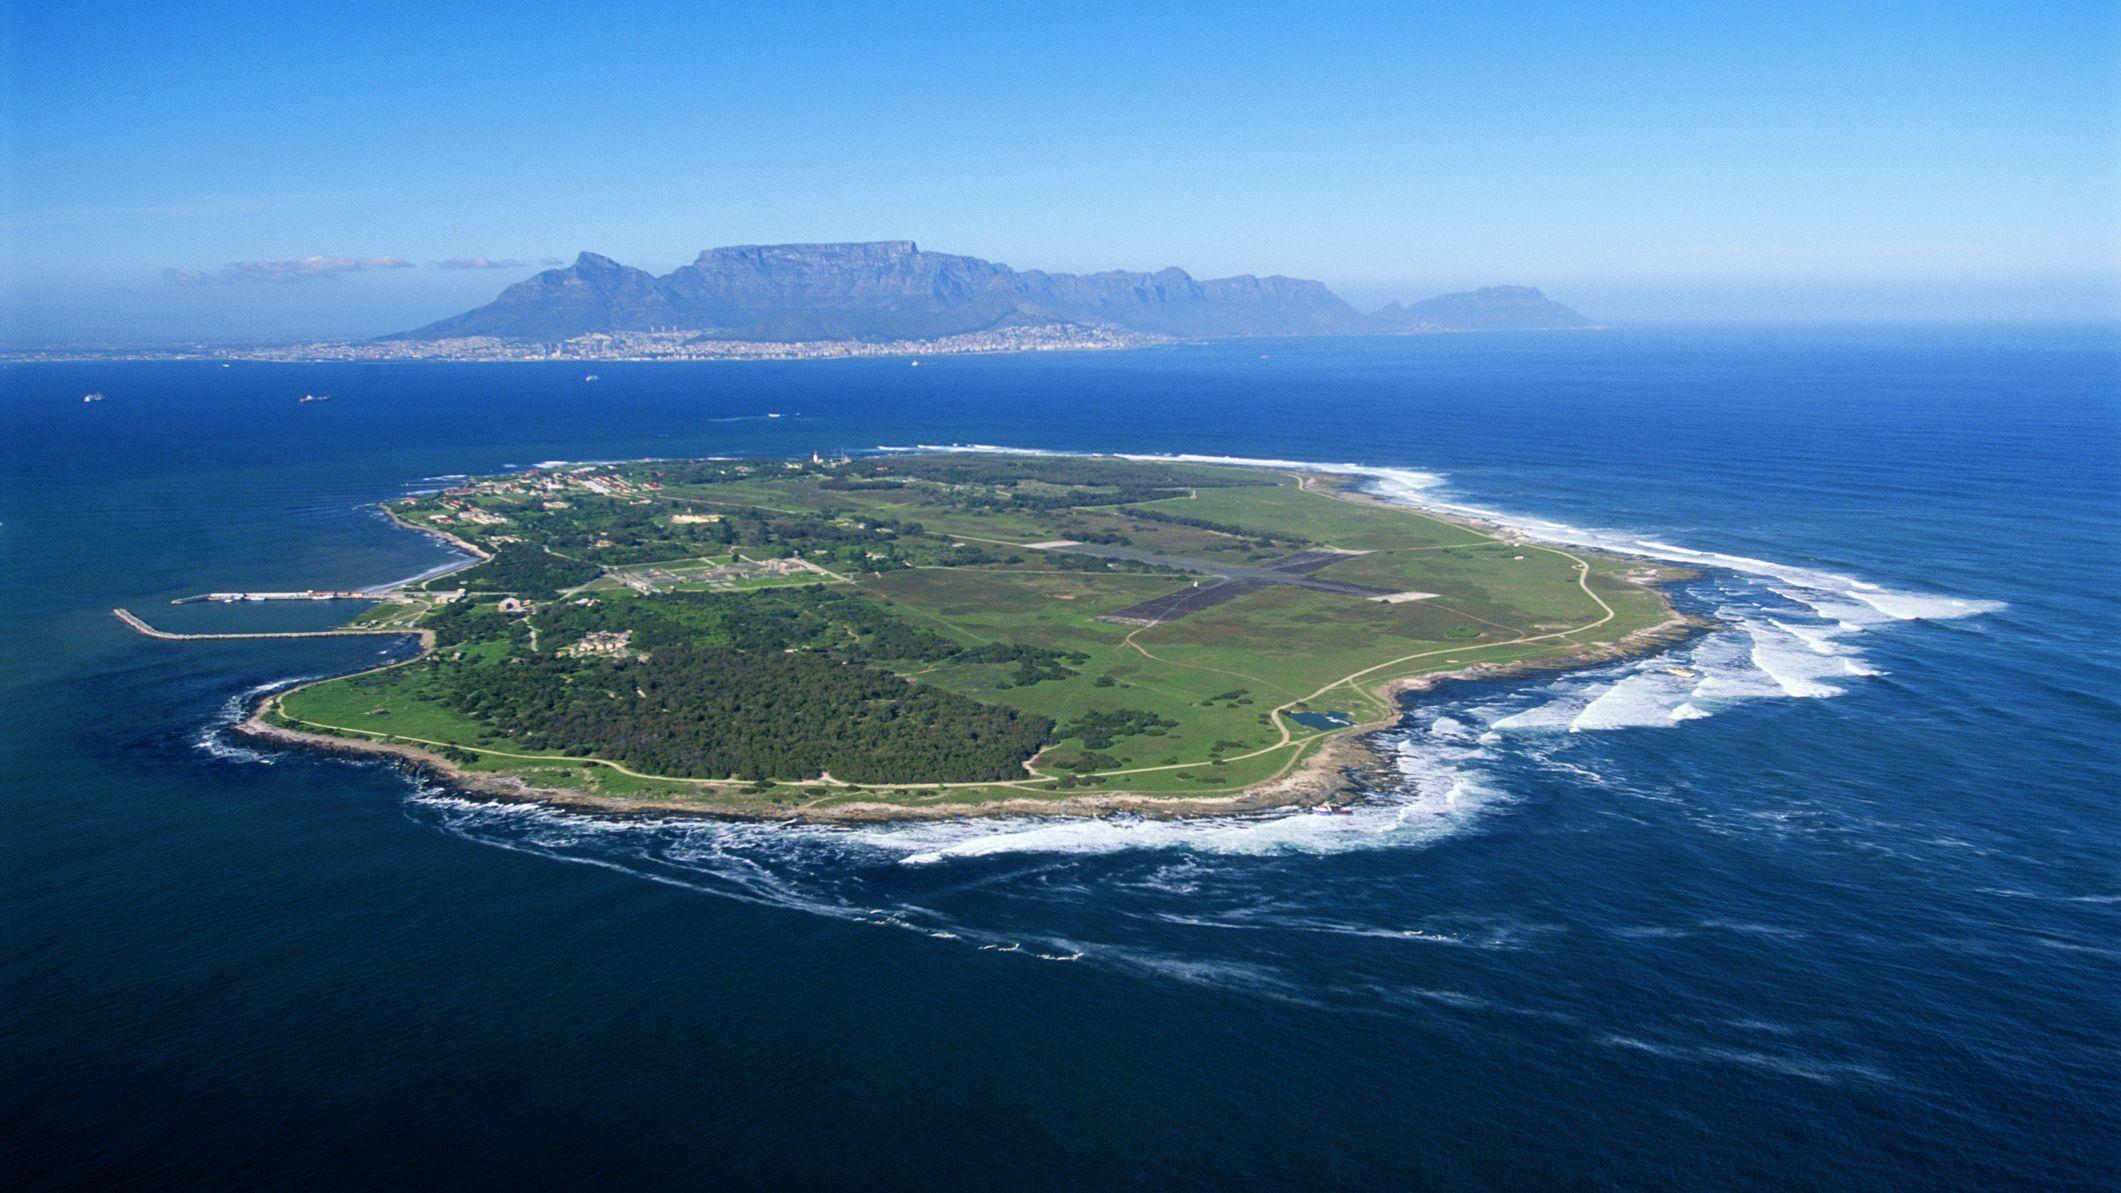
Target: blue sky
{"x":1641,"y":162}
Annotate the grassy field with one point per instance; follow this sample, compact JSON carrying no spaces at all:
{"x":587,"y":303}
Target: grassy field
{"x":1191,"y":705}
{"x":1317,"y":515}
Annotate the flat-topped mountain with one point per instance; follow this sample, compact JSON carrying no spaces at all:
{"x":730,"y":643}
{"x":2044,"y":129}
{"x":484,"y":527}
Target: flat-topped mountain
{"x":892,"y":290}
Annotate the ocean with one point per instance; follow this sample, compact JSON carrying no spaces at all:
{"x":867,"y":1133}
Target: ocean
{"x":1829,"y":897}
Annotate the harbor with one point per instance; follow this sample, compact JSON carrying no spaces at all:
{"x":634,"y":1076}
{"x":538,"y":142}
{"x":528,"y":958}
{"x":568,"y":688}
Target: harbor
{"x":307,"y":594}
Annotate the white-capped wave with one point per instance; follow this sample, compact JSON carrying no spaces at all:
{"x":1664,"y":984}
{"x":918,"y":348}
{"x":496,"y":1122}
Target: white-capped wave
{"x":1788,"y":1064}
{"x":1794,"y":662}
{"x":1411,"y":480}
{"x":1439,"y":788}
{"x":1557,"y":713}
{"x":1756,"y":658}
{"x":215,"y":743}
{"x":213,"y":738}
{"x":1649,"y":698}
{"x":1452,"y":729}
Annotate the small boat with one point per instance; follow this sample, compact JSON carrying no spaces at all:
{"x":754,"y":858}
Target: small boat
{"x":316,"y":397}
{"x":590,"y":377}
{"x":916,"y":364}
{"x":1682,"y":672}
{"x":94,"y":397}
{"x":1332,"y":810}
{"x":773,"y":416}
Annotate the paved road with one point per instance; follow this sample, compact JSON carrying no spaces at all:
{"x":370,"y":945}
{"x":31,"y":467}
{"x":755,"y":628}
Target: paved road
{"x":1231,"y":581}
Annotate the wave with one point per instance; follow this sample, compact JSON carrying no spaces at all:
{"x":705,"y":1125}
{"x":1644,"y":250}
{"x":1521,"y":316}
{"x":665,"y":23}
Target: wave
{"x":214,"y":737}
{"x":818,"y":870}
{"x":1412,"y":480}
{"x":1440,"y":791}
{"x":1809,"y":1068}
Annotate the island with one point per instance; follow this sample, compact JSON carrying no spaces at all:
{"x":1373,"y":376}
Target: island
{"x":945,"y":633}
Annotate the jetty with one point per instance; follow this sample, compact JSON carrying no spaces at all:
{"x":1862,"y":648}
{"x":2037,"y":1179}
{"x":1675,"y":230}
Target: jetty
{"x":127,"y":616}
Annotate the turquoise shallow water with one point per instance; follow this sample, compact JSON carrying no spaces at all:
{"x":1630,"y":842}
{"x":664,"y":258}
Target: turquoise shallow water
{"x":1829,"y":897}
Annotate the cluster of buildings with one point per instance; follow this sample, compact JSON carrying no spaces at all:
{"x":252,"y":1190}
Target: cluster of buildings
{"x":608,"y":486}
{"x":550,"y":485}
{"x":464,"y":511}
{"x":606,"y":644}
{"x":307,"y":594}
{"x":649,"y":581}
{"x":638,"y":345}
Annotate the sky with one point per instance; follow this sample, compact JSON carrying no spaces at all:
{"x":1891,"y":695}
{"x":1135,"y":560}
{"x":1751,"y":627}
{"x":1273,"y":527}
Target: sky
{"x":262,"y":171}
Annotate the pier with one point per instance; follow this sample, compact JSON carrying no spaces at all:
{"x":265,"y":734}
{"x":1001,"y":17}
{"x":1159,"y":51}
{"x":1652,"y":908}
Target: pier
{"x":426,"y":636}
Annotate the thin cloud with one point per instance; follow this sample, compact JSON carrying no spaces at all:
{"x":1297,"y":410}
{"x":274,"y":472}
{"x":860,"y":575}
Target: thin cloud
{"x":481,"y":263}
{"x":300,"y":269}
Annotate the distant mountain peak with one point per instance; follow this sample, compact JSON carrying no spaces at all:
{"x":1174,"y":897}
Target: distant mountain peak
{"x":892,"y":290}
{"x":1490,"y":308}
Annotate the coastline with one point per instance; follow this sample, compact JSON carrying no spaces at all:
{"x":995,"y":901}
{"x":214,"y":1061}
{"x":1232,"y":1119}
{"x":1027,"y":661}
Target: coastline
{"x":476,"y":555}
{"x":1326,"y":771}
{"x":649,"y":350}
{"x":496,"y":351}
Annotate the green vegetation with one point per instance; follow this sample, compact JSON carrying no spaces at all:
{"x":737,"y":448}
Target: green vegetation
{"x":919,"y":626}
{"x":526,"y":571}
{"x":713,"y":712}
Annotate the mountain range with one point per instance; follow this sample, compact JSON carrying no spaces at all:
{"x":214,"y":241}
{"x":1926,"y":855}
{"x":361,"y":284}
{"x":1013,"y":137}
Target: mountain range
{"x":892,"y":290}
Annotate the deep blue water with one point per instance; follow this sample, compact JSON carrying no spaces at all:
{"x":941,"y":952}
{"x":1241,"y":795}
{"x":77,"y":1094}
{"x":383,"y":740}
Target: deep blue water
{"x":1832,"y":897}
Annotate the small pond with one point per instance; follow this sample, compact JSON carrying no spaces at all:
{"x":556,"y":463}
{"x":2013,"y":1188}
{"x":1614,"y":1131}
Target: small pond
{"x":1322,"y":720}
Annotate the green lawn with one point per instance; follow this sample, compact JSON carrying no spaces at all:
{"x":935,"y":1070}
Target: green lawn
{"x":1316,"y":516}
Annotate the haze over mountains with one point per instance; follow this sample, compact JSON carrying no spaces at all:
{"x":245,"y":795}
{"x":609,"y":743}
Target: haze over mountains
{"x":891,"y":290}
